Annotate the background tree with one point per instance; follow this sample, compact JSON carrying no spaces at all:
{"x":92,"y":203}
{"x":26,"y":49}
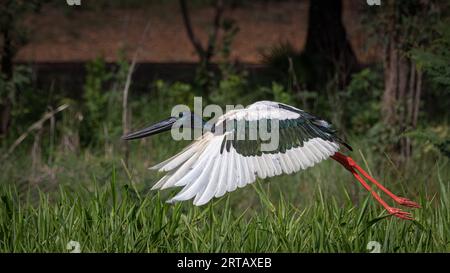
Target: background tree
{"x":205,"y":53}
{"x":405,"y":26}
{"x":13,"y":36}
{"x":327,"y":45}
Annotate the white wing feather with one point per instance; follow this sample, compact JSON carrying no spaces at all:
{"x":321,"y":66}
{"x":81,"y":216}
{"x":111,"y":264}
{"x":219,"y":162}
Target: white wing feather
{"x":205,"y":172}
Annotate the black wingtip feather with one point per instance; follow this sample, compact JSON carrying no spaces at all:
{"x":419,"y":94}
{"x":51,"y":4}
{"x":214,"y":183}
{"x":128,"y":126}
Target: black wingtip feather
{"x":347,"y":146}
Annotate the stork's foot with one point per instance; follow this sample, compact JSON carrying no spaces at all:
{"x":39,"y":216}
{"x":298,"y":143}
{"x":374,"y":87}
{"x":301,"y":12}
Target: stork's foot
{"x":399,"y":213}
{"x":354,"y":168}
{"x":406,"y":202}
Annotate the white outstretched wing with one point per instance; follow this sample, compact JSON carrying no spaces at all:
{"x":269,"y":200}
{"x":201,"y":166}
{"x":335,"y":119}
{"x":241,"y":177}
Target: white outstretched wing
{"x":205,"y":169}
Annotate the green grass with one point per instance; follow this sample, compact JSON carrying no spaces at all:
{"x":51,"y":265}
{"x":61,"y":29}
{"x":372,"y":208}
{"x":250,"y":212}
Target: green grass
{"x":108,"y":208}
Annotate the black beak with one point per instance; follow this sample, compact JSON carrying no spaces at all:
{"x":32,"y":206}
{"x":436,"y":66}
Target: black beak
{"x":162,"y":126}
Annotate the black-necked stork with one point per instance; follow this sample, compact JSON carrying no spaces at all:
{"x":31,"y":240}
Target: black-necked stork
{"x":217,"y":163}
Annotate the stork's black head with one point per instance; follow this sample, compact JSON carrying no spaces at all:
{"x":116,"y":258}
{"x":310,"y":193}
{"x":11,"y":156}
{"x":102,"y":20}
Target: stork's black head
{"x":183,"y":120}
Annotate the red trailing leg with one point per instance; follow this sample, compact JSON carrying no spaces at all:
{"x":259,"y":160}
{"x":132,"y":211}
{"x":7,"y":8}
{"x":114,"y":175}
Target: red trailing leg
{"x":351,"y":166}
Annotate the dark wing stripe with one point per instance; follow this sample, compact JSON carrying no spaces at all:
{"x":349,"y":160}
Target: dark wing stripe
{"x":292,"y":133}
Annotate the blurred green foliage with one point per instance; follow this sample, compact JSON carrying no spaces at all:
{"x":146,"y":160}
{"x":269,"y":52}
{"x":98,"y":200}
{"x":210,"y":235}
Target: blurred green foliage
{"x":28,"y":102}
{"x":434,"y":61}
{"x":16,"y":87}
{"x":102,"y":101}
{"x":438,"y":138}
{"x":362,"y":100}
{"x":435,"y":58}
{"x":174,"y":93}
{"x":277,"y":60}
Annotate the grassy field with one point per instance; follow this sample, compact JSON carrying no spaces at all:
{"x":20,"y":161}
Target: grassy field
{"x":93,"y":199}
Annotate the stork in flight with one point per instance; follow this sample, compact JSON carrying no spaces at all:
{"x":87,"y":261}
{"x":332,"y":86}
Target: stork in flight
{"x":217,"y":163}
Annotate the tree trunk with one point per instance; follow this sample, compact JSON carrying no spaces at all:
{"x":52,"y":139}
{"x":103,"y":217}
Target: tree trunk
{"x":6,"y":70}
{"x":327,"y":41}
{"x":204,"y":53}
{"x":403,"y":86}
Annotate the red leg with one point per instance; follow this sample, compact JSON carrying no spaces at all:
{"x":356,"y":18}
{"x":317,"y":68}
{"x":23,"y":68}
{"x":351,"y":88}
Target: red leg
{"x":394,"y":211}
{"x":400,"y":200}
